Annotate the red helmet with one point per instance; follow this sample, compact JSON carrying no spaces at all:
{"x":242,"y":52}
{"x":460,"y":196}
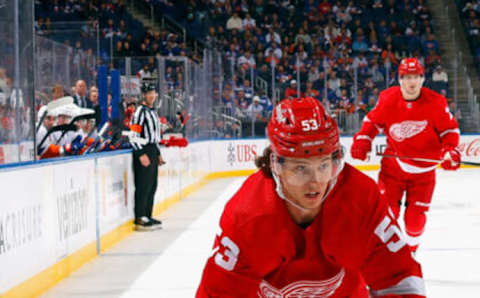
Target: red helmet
{"x":410,"y":66}
{"x":301,"y":128}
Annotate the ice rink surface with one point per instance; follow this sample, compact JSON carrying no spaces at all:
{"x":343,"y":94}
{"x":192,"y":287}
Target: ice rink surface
{"x":169,"y":262}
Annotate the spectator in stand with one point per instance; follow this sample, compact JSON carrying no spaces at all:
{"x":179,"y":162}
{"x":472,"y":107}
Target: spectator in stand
{"x":118,"y":51}
{"x":265,"y":102}
{"x":145,"y":73}
{"x":310,"y":91}
{"x":247,"y":88}
{"x":242,"y":100}
{"x":313,"y":73}
{"x":325,"y":7}
{"x":57,"y":92}
{"x":275,"y":51}
{"x":80,"y":97}
{"x":474,"y":32}
{"x":389,"y":55}
{"x":456,"y":113}
{"x":248,"y":22}
{"x":247,"y":61}
{"x":292,"y":91}
{"x":439,"y":79}
{"x":255,"y":110}
{"x":430,"y":44}
{"x":374,"y":71}
{"x":360,"y":42}
{"x":303,"y":37}
{"x":361,"y":63}
{"x":334,"y":83}
{"x":93,"y":97}
{"x":273,"y":37}
{"x":235,"y":22}
{"x":342,"y":14}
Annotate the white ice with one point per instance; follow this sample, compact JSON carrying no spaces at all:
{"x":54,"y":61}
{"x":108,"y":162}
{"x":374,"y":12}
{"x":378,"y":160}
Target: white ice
{"x":169,"y":262}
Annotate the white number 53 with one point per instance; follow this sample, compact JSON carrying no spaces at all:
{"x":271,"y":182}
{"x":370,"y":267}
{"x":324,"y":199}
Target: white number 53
{"x":385,"y":232}
{"x":228,"y":258}
{"x":309,"y":124}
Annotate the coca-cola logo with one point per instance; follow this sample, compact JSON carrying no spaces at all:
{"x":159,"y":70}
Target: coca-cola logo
{"x":471,"y":148}
{"x":407,"y":129}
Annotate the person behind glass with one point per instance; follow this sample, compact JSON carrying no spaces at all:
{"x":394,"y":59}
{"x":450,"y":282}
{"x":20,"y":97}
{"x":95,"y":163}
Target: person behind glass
{"x":80,"y":95}
{"x":307,"y":224}
{"x":145,"y":141}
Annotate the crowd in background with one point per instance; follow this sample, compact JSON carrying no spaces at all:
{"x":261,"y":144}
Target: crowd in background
{"x":342,"y":53}
{"x":470,"y":17}
{"x":320,"y":42}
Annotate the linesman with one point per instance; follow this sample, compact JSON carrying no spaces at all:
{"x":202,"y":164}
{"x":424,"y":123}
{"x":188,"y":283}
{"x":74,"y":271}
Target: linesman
{"x":146,"y":139}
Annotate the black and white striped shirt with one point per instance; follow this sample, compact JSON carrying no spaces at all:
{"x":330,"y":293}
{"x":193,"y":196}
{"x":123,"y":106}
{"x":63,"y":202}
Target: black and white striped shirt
{"x":145,"y":127}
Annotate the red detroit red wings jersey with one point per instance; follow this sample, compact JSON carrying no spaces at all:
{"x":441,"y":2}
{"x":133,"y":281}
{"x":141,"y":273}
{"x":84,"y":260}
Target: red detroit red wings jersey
{"x":353,"y":242}
{"x":419,"y":128}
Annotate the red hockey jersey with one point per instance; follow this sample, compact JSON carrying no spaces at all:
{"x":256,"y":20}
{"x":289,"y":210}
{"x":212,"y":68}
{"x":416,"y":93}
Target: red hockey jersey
{"x":353,"y":242}
{"x":419,"y":128}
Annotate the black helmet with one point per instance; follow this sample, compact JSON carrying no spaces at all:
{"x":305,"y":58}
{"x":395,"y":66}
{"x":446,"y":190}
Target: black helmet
{"x":147,"y":87}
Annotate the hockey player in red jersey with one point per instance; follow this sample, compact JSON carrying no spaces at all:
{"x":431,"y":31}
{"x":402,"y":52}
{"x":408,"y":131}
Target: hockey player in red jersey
{"x":418,"y":124}
{"x":306,"y":224}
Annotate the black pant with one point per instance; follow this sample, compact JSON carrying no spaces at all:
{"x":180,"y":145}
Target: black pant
{"x":145,"y":181}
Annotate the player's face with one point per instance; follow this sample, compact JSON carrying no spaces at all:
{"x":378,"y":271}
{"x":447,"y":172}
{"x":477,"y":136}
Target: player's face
{"x":305,"y":180}
{"x":82,"y":124}
{"x":150,"y":97}
{"x":49,"y":121}
{"x":63,"y":119}
{"x":410,"y":85}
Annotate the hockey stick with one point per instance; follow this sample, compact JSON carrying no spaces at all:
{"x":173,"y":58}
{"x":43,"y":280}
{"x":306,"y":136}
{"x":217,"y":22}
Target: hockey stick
{"x":470,"y":163}
{"x":77,"y":118}
{"x":51,"y":106}
{"x":97,"y":139}
{"x":63,"y":127}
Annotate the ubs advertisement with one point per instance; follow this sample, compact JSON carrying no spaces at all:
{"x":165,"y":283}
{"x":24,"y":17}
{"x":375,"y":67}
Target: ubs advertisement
{"x":241,"y":154}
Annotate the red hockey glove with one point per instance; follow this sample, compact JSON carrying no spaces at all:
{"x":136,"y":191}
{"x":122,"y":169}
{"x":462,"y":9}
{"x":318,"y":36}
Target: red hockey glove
{"x":174,"y":142}
{"x":361,"y":146}
{"x":451,"y":159}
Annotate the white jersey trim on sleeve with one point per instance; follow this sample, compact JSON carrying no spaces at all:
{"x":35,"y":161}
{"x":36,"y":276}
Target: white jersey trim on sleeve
{"x":412,"y":285}
{"x":414,"y":169}
{"x":456,"y":130}
{"x":413,"y":240}
{"x":422,"y":204}
{"x":363,"y":137}
{"x":366,"y":119}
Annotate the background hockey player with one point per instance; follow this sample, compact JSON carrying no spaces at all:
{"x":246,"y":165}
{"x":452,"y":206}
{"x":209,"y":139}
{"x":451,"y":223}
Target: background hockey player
{"x":418,"y":124}
{"x":61,"y":143}
{"x":306,"y":224}
{"x":47,"y":123}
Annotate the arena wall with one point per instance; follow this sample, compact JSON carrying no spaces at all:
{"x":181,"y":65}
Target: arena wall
{"x":57,"y":215}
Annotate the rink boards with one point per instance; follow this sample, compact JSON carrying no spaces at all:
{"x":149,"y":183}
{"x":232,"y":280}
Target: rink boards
{"x":58,"y":215}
